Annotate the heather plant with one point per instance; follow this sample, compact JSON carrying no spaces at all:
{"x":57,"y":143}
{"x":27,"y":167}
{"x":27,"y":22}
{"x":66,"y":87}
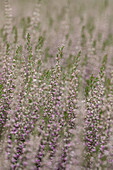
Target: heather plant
{"x":97,"y":121}
{"x":109,"y":144}
{"x":56,"y":88}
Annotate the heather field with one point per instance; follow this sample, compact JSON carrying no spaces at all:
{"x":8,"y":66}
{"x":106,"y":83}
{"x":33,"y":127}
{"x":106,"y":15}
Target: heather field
{"x":56,"y":85}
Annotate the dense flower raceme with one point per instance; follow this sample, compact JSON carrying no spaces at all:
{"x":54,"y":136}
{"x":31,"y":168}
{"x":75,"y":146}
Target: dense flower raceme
{"x":97,"y":123}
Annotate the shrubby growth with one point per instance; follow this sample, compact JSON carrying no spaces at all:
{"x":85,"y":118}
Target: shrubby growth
{"x":56,"y":88}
